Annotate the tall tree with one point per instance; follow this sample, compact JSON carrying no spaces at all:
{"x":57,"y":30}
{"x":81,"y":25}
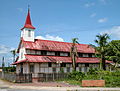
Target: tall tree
{"x":3,"y":64}
{"x":101,"y":50}
{"x":14,"y":54}
{"x":73,"y":53}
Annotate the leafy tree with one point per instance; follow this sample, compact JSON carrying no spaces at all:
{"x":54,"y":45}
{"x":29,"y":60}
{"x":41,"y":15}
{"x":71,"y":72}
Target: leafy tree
{"x":101,"y":50}
{"x":114,"y":51}
{"x":73,"y":53}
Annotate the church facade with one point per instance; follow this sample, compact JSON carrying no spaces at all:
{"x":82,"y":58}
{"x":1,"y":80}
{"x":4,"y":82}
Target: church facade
{"x":45,"y":56}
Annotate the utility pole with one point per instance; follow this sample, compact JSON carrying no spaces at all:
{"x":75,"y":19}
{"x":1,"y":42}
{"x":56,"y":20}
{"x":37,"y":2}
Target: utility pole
{"x":3,"y":64}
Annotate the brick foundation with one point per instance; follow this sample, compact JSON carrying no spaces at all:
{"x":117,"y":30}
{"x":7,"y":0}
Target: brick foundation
{"x":93,"y":83}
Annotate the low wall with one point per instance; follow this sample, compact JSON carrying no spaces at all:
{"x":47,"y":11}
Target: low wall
{"x":93,"y":83}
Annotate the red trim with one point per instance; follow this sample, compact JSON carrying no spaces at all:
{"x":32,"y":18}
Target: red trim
{"x":21,"y":61}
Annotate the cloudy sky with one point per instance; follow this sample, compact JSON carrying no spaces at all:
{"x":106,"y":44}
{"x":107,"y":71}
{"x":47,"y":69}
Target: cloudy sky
{"x":59,"y":20}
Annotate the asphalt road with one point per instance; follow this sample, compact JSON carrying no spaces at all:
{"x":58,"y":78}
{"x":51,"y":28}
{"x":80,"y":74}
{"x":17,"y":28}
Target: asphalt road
{"x":8,"y":89}
{"x":32,"y":90}
{"x":23,"y":90}
{"x":5,"y":86}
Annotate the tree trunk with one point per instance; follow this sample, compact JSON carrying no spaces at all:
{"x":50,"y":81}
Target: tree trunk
{"x":74,"y":62}
{"x":103,"y":63}
{"x":100,"y":64}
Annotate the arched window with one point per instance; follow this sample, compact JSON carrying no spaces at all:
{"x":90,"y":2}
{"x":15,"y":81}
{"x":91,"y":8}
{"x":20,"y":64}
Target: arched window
{"x":29,"y":33}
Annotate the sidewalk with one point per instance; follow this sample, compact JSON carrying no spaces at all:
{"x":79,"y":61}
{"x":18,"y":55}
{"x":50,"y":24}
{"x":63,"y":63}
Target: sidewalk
{"x":5,"y":84}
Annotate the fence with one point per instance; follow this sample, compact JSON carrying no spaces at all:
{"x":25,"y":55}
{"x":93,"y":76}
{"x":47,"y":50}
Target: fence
{"x":20,"y":78}
{"x":51,"y":76}
{"x":26,"y":78}
{"x":8,"y":76}
{"x":23,"y":78}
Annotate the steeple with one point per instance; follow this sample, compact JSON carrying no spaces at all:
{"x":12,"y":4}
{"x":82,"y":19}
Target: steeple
{"x":27,"y":32}
{"x":28,"y":23}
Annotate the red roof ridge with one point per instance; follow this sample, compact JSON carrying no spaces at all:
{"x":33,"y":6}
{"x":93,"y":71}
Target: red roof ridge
{"x":58,"y":41}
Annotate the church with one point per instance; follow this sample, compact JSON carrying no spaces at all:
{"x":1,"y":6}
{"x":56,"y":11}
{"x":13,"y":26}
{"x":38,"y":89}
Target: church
{"x":45,"y":56}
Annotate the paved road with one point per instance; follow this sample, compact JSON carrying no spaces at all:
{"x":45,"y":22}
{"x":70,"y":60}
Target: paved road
{"x":5,"y":86}
{"x":61,"y":89}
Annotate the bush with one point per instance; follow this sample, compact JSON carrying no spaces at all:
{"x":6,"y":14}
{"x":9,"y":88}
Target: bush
{"x":112,"y":79}
{"x":76,"y":75}
{"x":92,"y":71}
{"x":9,"y":69}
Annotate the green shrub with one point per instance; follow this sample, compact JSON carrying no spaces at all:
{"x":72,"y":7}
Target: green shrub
{"x":9,"y":69}
{"x":76,"y":75}
{"x":112,"y":79}
{"x":93,"y":71}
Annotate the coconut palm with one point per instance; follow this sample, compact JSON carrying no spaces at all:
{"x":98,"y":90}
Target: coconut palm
{"x":73,"y":53}
{"x":101,"y":50}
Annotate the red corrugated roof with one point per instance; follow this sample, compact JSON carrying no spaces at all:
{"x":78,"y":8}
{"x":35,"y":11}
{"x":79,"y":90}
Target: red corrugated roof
{"x":48,"y":45}
{"x":55,"y":59}
{"x":21,"y":61}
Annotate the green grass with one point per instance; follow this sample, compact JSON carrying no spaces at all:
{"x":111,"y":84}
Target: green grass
{"x":70,"y":81}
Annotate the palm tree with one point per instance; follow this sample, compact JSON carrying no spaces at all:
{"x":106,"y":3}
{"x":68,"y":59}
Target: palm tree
{"x":101,"y":50}
{"x":14,"y":54}
{"x":73,"y":53}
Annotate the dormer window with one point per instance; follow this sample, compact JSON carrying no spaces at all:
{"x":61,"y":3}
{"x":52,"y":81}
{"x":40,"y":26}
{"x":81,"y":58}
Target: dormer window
{"x":29,"y":33}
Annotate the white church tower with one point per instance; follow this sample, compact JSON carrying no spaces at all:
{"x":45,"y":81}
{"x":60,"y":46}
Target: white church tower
{"x":27,"y":32}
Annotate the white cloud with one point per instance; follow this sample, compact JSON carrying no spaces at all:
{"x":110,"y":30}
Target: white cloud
{"x":49,"y":37}
{"x":4,"y":49}
{"x":89,"y":4}
{"x":102,"y":20}
{"x":93,"y":15}
{"x":114,"y":31}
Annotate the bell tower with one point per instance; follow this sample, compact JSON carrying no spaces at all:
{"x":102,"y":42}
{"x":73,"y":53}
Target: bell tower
{"x":27,"y":32}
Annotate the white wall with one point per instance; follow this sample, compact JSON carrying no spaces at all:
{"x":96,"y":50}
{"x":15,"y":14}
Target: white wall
{"x":18,"y":68}
{"x":25,"y":36}
{"x":25,"y":67}
{"x":21,"y":54}
{"x":43,"y":68}
{"x":36,"y":67}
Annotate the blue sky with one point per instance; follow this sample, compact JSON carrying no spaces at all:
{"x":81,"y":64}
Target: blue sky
{"x":58,"y":20}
